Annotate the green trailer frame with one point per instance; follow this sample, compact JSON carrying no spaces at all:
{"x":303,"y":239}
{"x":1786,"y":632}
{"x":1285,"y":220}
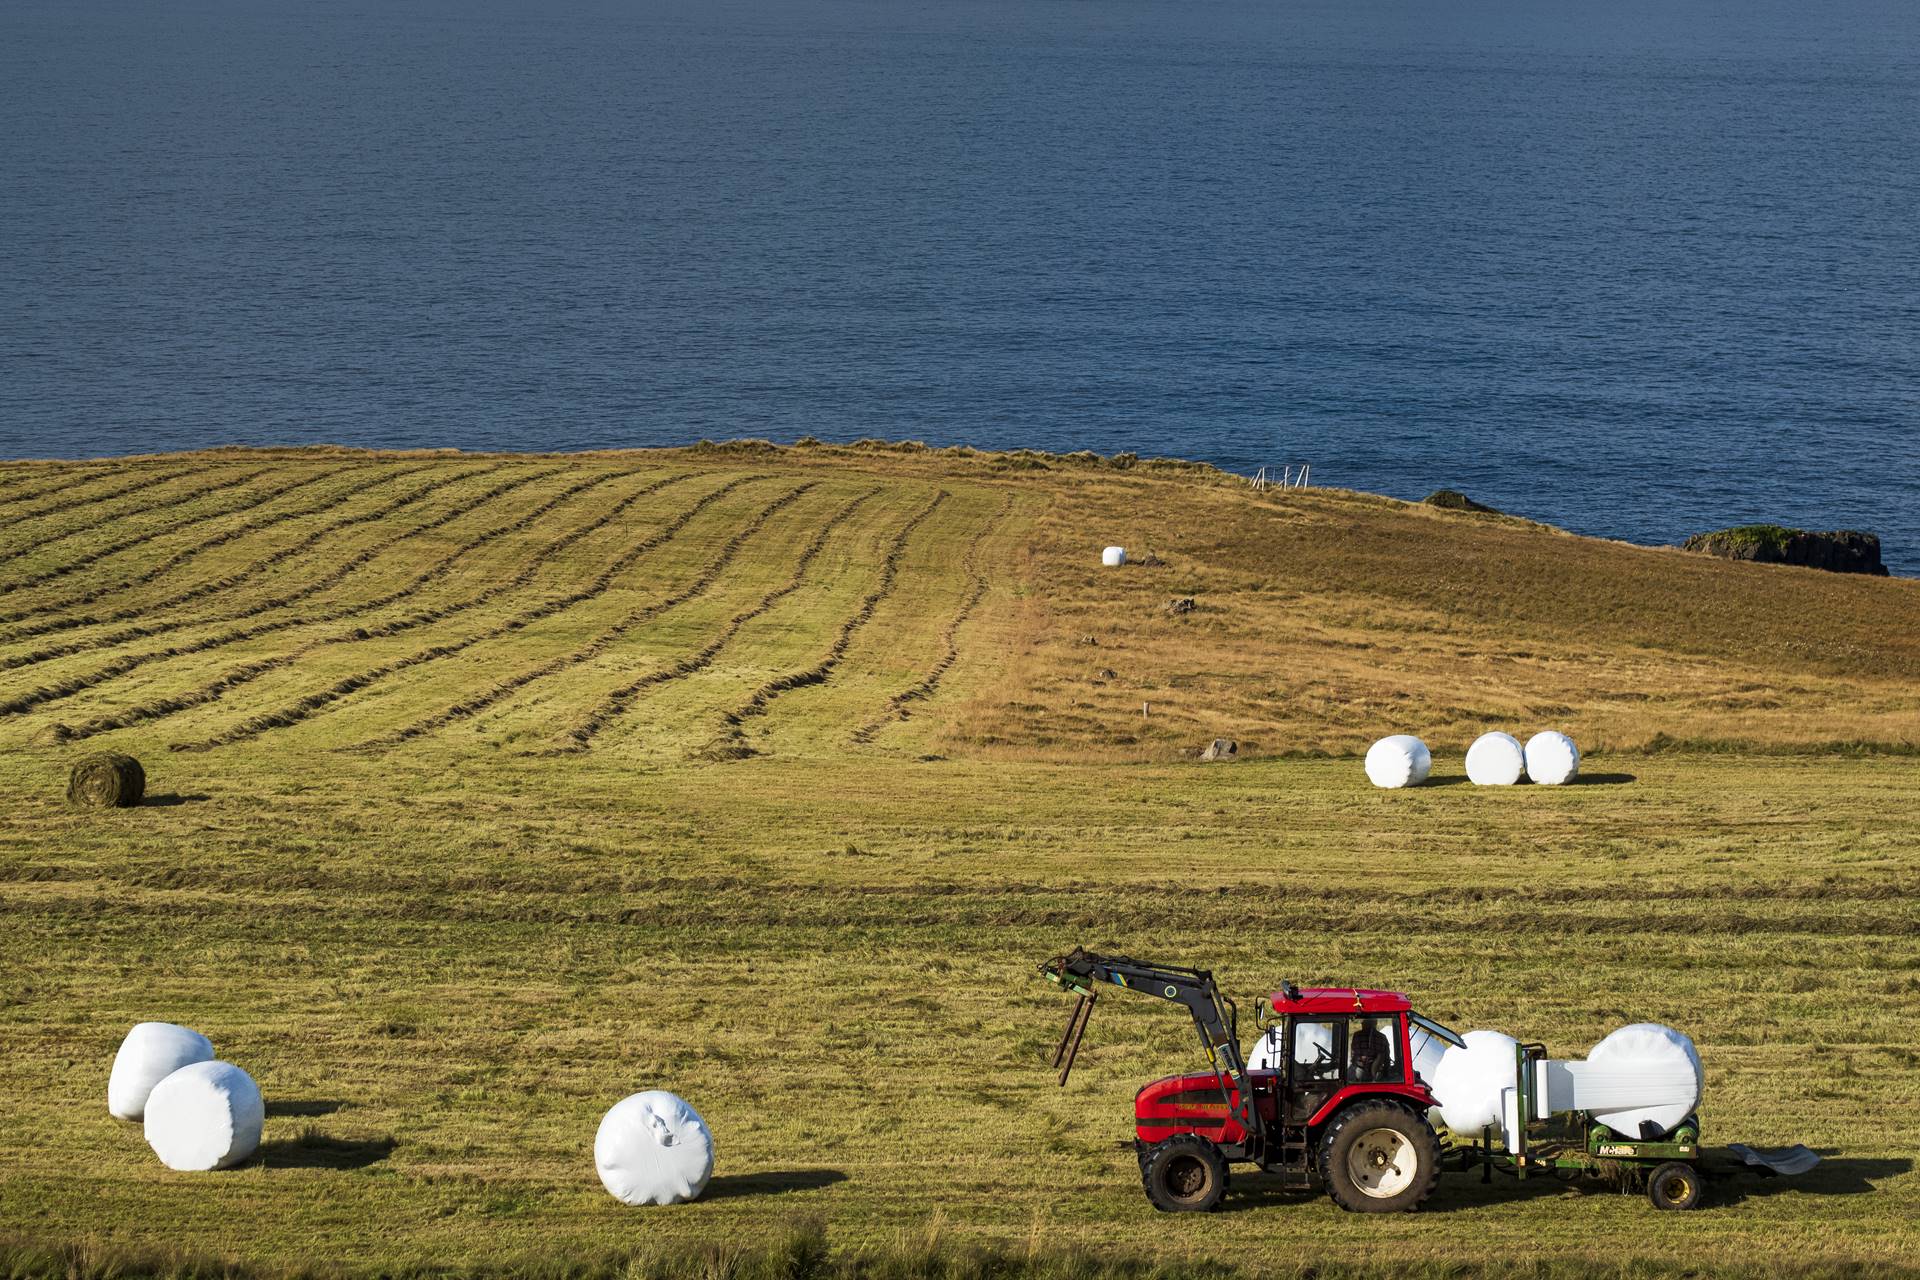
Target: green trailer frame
{"x":1670,"y":1165}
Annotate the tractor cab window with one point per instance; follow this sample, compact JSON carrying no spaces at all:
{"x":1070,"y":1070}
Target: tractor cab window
{"x":1318,"y":1047}
{"x":1373,"y":1051}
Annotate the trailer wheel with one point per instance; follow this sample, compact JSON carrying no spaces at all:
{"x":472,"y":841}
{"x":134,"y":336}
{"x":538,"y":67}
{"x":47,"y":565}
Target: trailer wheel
{"x":1379,"y":1157}
{"x":1185,"y":1174}
{"x":1675,"y":1186}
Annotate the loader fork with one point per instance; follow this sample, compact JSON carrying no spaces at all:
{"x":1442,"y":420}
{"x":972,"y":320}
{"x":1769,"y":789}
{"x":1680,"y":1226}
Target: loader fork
{"x":1076,"y":1028}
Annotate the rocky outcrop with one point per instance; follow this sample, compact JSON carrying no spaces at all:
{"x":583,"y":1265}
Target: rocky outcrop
{"x":1841,"y":551}
{"x":1454,"y":500}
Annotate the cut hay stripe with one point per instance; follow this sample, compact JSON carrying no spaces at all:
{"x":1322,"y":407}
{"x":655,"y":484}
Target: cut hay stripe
{"x":47,"y":626}
{"x":312,"y":704}
{"x":75,"y":504}
{"x":322,"y":583}
{"x":235,"y":677}
{"x":732,"y":742}
{"x":898,"y":706}
{"x":600,"y":643}
{"x":91,"y":555}
{"x":64,"y":478}
{"x":617,"y":703}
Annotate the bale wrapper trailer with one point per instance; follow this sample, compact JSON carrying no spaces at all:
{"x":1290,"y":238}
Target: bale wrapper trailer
{"x":1343,"y":1105}
{"x":1535,"y":1139}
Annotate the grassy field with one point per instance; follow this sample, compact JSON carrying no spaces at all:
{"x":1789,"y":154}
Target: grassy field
{"x":487,"y":790}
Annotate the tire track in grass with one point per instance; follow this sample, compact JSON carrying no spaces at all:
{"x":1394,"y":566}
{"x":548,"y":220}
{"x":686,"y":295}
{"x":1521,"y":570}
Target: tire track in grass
{"x":322,"y":583}
{"x":731,"y":744}
{"x":307,"y":707}
{"x":92,"y":555}
{"x":634,"y":619}
{"x":897,"y":706}
{"x":616,"y":704}
{"x":246,"y":673}
{"x":48,"y":626}
{"x":63,"y":508}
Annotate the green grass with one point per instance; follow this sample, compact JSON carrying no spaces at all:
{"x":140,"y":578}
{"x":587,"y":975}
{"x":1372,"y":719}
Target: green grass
{"x":445,"y":933}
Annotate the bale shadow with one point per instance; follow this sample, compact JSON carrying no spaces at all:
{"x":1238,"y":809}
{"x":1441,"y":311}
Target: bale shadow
{"x":1602,"y":780}
{"x":771,"y":1184}
{"x":170,"y":799}
{"x":318,"y":1151}
{"x":1847,"y":1176}
{"x":304,"y":1107}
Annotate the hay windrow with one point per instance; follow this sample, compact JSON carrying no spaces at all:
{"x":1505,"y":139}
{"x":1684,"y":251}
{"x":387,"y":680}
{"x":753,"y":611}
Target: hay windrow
{"x":633,"y":620}
{"x":617,"y":703}
{"x":234,"y":677}
{"x":90,"y":555}
{"x":330,"y":579}
{"x":305,"y":708}
{"x":148,"y":481}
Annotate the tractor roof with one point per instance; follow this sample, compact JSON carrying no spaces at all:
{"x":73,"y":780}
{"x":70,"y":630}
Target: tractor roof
{"x":1340,"y":1000}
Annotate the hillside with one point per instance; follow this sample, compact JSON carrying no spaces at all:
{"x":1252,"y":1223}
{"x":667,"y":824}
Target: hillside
{"x":722,"y":601}
{"x":487,"y":790}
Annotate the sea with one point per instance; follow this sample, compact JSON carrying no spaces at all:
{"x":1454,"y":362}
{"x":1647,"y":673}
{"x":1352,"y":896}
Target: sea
{"x":1638,"y":268}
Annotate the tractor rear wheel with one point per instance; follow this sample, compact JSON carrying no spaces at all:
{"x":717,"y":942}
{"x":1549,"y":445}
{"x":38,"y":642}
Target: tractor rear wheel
{"x":1675,"y":1186}
{"x":1379,"y":1157}
{"x":1185,"y":1174}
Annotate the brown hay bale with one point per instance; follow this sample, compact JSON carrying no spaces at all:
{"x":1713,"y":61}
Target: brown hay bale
{"x":107,"y":781}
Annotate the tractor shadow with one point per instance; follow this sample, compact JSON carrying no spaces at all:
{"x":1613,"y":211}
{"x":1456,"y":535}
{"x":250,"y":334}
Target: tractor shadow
{"x":170,"y":799}
{"x":1602,"y":780}
{"x":776,"y":1183}
{"x":1846,"y":1176}
{"x":317,"y":1151}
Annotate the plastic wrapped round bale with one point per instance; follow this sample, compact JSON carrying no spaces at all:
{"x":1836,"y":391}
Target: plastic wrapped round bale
{"x":652,"y":1148}
{"x":1496,"y":760}
{"x":1398,"y":761}
{"x":1113,"y":557}
{"x":1468,"y":1079}
{"x":151,"y":1052}
{"x":206,"y":1115}
{"x":1552,"y":758}
{"x":1648,"y":1060}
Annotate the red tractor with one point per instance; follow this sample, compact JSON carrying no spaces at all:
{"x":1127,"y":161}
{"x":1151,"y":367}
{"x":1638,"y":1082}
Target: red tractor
{"x":1341,"y":1103}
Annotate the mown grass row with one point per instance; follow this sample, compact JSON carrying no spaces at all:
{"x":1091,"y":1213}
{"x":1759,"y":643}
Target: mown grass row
{"x":448,"y":564}
{"x":93,"y":554}
{"x":731,"y":743}
{"x":66,"y":622}
{"x":623,"y":626}
{"x":304,"y":708}
{"x":332,"y":578}
{"x":580,"y":735}
{"x":899,"y":705}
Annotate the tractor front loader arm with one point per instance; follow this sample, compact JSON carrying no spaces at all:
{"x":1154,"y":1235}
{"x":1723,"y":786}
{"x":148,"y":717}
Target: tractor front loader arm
{"x":1215,"y":1017}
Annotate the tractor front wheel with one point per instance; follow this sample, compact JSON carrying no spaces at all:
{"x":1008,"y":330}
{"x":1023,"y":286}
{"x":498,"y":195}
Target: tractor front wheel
{"x":1185,"y":1174}
{"x":1379,"y":1157}
{"x":1675,"y":1186}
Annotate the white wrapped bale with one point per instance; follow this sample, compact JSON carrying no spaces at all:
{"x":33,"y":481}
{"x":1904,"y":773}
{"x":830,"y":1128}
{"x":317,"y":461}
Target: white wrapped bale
{"x":1552,"y":759}
{"x":151,"y":1052}
{"x":206,"y":1115}
{"x":1469,"y":1079}
{"x":1652,"y":1072}
{"x":652,"y":1148}
{"x":1496,"y":760}
{"x":1113,"y":557}
{"x":1398,"y":761}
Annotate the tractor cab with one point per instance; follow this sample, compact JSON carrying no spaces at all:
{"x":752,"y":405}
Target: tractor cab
{"x":1323,"y":1045}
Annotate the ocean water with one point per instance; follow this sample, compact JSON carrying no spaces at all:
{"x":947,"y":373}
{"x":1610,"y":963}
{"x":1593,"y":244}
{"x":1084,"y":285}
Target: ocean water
{"x":1638,"y":268}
